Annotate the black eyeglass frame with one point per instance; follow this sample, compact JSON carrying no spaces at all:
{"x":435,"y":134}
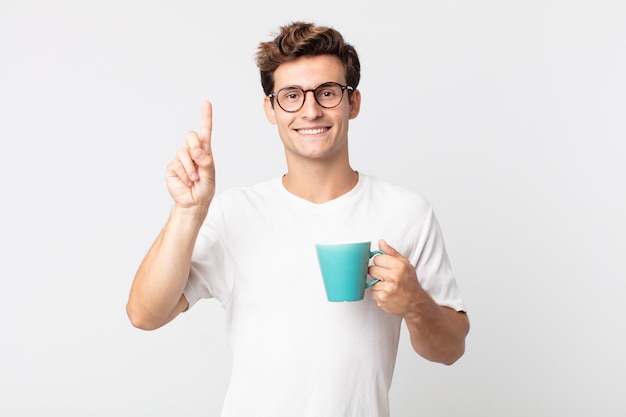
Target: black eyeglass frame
{"x":313,"y":90}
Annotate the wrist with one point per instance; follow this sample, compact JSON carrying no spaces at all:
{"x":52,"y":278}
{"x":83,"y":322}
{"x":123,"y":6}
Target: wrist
{"x":194,"y":214}
{"x":421,"y":306}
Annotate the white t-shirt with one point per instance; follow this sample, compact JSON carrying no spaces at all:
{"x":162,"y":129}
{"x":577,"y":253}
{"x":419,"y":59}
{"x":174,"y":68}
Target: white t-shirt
{"x":294,"y":352}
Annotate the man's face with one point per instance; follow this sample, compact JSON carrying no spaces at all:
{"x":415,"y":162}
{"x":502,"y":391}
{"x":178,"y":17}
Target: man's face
{"x":313,"y":132}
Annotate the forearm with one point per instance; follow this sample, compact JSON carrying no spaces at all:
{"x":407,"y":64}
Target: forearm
{"x":437,"y":333}
{"x":160,"y":280}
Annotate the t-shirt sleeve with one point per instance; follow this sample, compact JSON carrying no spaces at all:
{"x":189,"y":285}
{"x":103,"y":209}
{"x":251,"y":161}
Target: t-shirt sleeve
{"x":210,"y":275}
{"x":433,"y":267}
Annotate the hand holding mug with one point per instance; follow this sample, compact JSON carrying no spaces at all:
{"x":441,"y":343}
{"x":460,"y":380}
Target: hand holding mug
{"x":398,"y":290}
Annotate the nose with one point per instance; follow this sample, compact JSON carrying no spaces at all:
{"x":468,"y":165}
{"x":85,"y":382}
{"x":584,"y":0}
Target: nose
{"x":310,"y":109}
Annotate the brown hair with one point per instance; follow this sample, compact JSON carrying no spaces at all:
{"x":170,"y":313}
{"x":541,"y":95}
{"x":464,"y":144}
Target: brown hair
{"x":301,"y":39}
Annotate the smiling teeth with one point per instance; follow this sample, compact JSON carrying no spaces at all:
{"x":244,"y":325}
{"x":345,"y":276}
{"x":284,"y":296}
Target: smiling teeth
{"x":312,"y":131}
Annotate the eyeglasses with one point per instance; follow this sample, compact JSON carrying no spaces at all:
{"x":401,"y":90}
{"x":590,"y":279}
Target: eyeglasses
{"x":328,"y":95}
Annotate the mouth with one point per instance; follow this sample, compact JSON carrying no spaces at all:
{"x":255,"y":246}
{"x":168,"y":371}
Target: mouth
{"x":314,"y":131}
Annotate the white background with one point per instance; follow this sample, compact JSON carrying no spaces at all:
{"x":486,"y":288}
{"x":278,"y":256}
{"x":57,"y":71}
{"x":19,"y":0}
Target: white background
{"x":509,"y":116}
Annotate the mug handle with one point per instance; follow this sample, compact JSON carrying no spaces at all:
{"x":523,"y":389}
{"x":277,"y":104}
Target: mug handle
{"x":375,"y":280}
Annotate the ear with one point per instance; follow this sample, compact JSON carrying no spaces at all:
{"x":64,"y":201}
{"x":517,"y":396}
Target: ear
{"x":355,"y":104}
{"x":269,"y":110}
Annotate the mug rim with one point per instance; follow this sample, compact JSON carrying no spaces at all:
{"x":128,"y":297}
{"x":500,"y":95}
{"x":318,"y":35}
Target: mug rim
{"x":343,"y":242}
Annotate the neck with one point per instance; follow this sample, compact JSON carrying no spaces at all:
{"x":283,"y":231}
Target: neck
{"x":319,"y":184}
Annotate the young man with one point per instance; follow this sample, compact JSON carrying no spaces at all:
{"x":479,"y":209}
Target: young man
{"x":295,"y":353}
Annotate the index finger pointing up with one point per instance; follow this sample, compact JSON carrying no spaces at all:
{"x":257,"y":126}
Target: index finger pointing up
{"x":206,"y":126}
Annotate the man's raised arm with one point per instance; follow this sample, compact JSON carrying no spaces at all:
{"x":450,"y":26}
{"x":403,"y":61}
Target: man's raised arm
{"x":156,"y":295}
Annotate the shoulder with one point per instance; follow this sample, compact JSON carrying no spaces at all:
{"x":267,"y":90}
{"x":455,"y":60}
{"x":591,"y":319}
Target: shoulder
{"x":394,"y":195}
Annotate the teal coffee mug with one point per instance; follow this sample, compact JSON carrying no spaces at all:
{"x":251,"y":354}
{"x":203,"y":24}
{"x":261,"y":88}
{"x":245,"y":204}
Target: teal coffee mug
{"x":344,"y":269}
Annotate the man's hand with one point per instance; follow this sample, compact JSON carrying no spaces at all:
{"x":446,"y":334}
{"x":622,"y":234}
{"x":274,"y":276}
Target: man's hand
{"x":437,"y":333}
{"x":190,"y":176}
{"x":398,"y":290}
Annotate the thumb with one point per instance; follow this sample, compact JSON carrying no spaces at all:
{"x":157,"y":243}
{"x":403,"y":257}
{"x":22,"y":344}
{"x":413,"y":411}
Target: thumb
{"x":201,"y":158}
{"x":384,"y":246}
{"x":204,"y":162}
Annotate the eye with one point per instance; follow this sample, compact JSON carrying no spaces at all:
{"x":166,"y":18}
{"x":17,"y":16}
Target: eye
{"x":326,"y":92}
{"x":290,"y":95}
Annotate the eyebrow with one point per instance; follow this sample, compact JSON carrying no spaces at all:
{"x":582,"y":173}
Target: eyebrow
{"x":313,"y":88}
